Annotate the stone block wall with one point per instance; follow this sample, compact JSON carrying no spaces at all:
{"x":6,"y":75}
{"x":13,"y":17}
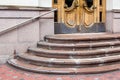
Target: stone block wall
{"x":27,"y":36}
{"x":113,"y":21}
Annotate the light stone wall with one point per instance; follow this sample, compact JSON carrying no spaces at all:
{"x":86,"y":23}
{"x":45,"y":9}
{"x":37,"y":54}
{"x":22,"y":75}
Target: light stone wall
{"x":113,"y":16}
{"x":112,"y":4}
{"x":19,"y":2}
{"x":113,"y":21}
{"x":40,"y":3}
{"x":109,"y":4}
{"x":116,"y":4}
{"x":27,"y":36}
{"x":45,"y":3}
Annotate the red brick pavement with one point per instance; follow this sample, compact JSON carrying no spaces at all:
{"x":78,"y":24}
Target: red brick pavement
{"x":10,"y":73}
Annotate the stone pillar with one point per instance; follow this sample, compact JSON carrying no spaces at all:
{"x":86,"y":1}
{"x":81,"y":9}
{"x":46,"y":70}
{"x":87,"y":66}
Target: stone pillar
{"x":113,"y":16}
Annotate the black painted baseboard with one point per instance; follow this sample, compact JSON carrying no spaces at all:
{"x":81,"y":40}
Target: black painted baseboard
{"x":61,"y":28}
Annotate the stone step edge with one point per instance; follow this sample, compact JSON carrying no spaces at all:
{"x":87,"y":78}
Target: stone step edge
{"x":86,"y":61}
{"x":81,"y":53}
{"x":83,"y":37}
{"x":40,"y":69}
{"x":79,"y":45}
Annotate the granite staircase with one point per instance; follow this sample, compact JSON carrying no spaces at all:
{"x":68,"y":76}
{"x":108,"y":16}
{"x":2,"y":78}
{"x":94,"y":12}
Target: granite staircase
{"x":72,"y":54}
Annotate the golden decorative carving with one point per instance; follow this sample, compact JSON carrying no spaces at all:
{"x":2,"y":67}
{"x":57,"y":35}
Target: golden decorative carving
{"x":70,"y":14}
{"x":75,"y":4}
{"x":88,"y":14}
{"x":80,"y":13}
{"x":89,"y":10}
{"x":70,"y":21}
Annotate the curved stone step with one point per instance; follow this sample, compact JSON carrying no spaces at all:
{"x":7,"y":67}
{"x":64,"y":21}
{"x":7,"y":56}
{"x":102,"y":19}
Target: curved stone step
{"x":40,"y":69}
{"x":84,"y":53}
{"x":77,"y":46}
{"x":62,"y":54}
{"x":67,"y":62}
{"x":68,"y":38}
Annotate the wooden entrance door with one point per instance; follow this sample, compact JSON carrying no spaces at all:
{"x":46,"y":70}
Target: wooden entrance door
{"x":80,"y":13}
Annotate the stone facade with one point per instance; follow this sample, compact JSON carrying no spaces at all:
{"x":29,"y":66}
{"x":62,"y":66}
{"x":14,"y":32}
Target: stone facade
{"x":20,"y":39}
{"x":113,"y":21}
{"x":27,"y":36}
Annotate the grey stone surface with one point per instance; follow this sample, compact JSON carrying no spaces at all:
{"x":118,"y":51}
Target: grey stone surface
{"x":3,"y":59}
{"x":27,"y":36}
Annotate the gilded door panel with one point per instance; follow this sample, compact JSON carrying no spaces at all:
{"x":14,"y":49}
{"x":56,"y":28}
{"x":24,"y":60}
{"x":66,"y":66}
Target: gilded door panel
{"x":88,"y":13}
{"x":70,"y":13}
{"x":70,"y":19}
{"x":81,"y":12}
{"x":88,"y":19}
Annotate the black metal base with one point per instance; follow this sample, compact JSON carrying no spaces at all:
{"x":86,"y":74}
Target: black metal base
{"x":61,"y":28}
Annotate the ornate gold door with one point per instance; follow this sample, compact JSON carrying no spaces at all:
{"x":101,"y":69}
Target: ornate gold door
{"x":77,"y":13}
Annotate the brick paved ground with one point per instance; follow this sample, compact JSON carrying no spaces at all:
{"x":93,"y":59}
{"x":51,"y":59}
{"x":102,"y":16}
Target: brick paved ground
{"x":10,"y":73}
